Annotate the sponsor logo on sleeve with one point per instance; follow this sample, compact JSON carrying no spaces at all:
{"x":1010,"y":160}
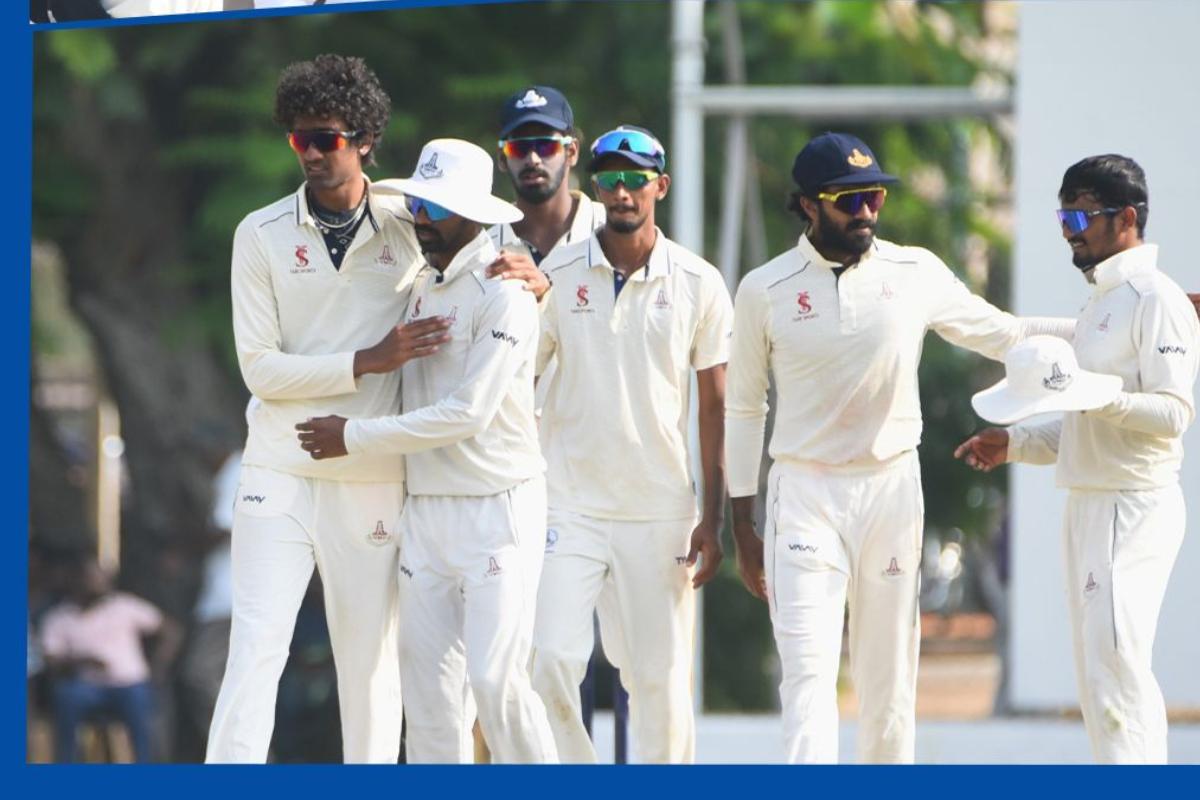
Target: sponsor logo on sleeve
{"x":802,"y":548}
{"x":1172,"y":349}
{"x":504,"y":337}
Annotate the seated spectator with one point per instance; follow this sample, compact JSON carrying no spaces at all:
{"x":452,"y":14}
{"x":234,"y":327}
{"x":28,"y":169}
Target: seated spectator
{"x":92,"y":646}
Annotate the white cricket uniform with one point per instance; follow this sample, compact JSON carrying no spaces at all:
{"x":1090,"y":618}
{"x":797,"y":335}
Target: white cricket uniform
{"x":1125,"y":515}
{"x":622,"y":505}
{"x":475,"y":521}
{"x":297,"y":323}
{"x":589,"y":216}
{"x":845,"y":513}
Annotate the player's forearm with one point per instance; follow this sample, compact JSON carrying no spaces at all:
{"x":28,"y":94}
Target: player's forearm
{"x":744,"y":525}
{"x":1034,"y":444}
{"x":712,"y":446}
{"x":1062,"y":327}
{"x":440,"y":425}
{"x":272,"y":375}
{"x":744,"y":437}
{"x":1155,"y":414}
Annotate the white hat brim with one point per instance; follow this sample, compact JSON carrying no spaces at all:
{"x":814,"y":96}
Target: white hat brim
{"x":1088,"y":390}
{"x":484,"y":209}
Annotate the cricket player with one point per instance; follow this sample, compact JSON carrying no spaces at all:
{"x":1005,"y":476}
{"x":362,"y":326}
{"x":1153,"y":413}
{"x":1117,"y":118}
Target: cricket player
{"x":633,"y":314}
{"x":1125,"y":515}
{"x":316,"y":322}
{"x":839,"y":322}
{"x":475,"y":522}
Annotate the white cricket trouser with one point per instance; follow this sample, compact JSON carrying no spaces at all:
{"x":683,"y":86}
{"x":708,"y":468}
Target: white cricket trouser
{"x":468,"y":586}
{"x":834,"y":534}
{"x":635,"y":576}
{"x":1119,"y":548}
{"x":284,"y":525}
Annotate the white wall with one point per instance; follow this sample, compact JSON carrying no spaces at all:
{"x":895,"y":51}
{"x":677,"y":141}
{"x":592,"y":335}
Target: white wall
{"x":1098,"y":77}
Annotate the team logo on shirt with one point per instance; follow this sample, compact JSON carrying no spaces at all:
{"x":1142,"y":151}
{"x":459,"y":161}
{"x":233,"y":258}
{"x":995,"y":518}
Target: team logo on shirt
{"x":380,"y":535}
{"x":494,"y":567}
{"x":430,"y":169}
{"x":581,"y":300}
{"x":416,"y":312}
{"x":1103,"y":326}
{"x":885,"y":291}
{"x":302,"y":264}
{"x":452,"y":317}
{"x":1058,"y":380}
{"x":386,"y":257}
{"x":893,"y":569}
{"x":1091,"y":584}
{"x":551,"y":539}
{"x":661,"y":301}
{"x":804,"y":309}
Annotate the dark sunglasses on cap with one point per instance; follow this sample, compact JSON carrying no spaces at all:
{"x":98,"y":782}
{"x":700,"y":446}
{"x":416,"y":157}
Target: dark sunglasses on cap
{"x":435,"y":212}
{"x":851,"y":201}
{"x":629,"y":141}
{"x":633,"y":179}
{"x":1076,"y":220}
{"x":325,"y":141}
{"x":545,"y":146}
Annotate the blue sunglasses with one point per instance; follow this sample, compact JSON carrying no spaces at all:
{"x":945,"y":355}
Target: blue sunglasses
{"x":1076,"y":221}
{"x":435,"y":212}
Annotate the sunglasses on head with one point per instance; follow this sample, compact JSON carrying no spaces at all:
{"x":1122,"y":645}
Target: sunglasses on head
{"x":851,"y":201}
{"x":435,"y":212}
{"x":1077,"y":221}
{"x":325,"y":141}
{"x":633,"y":179}
{"x":629,"y":141}
{"x":545,"y":146}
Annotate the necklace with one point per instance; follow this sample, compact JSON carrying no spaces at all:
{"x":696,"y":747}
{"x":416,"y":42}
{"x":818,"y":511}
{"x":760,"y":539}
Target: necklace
{"x":336,"y":221}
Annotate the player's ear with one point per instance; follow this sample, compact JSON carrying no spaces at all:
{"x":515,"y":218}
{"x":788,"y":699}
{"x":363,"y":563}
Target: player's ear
{"x":664,"y":185}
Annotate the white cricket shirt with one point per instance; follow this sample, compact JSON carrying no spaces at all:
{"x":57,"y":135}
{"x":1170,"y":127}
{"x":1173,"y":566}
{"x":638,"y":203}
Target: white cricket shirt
{"x":614,"y":426}
{"x":297,"y":322}
{"x":589,"y":215}
{"x":844,"y":354}
{"x":1137,"y":324}
{"x":468,"y":426}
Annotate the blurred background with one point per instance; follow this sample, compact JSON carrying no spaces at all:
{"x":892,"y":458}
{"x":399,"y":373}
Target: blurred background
{"x":151,"y":142}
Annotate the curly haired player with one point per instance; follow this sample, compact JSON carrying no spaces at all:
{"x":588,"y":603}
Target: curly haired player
{"x":320,"y":281}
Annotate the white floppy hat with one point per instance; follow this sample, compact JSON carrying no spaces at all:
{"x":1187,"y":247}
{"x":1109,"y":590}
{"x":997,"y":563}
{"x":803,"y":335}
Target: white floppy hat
{"x":457,"y":176}
{"x":1043,"y":375}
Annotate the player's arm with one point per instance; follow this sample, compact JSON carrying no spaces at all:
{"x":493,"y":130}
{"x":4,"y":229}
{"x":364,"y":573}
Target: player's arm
{"x":967,"y":320}
{"x":1027,"y":443}
{"x":709,"y":355}
{"x":1167,"y":341}
{"x":272,"y":374}
{"x":505,"y":337}
{"x":745,"y":426}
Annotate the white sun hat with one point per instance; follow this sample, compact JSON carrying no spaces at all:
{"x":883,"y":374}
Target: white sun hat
{"x":1043,"y":375}
{"x":457,"y":176}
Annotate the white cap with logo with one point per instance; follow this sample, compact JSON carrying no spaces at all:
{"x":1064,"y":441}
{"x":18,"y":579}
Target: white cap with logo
{"x":457,"y":176}
{"x":1042,"y":375}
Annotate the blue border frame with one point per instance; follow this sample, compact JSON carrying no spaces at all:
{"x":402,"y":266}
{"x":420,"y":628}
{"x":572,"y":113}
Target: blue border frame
{"x":567,"y":783}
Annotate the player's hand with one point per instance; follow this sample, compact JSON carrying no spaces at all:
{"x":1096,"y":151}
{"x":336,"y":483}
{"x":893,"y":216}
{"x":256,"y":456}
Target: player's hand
{"x":401,"y":344}
{"x":750,"y":559}
{"x":1195,"y":298}
{"x":520,"y":267}
{"x":984,"y":451}
{"x":323,"y":437}
{"x":706,"y":544}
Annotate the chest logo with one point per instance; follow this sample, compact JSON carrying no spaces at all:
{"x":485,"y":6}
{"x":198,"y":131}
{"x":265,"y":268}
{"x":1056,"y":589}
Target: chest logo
{"x":386,"y":257}
{"x":885,"y":291}
{"x":581,"y":301}
{"x":416,"y":312}
{"x":804,"y":308}
{"x":302,"y":264}
{"x":452,"y":317}
{"x":661,"y":301}
{"x":1103,"y":326}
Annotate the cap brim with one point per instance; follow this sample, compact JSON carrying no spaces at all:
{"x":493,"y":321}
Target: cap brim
{"x":636,"y":158}
{"x":858,"y":179}
{"x":1088,"y":390}
{"x":544,"y":119}
{"x":484,"y":209}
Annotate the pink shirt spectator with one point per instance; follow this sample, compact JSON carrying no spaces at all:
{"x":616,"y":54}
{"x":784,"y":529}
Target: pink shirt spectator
{"x":111,"y":632}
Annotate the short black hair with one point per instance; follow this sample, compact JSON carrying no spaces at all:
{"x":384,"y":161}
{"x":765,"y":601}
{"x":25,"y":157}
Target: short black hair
{"x":1115,"y":181}
{"x":334,"y":86}
{"x":793,"y":205}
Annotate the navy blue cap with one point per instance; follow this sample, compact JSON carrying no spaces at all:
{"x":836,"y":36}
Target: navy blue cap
{"x":543,"y":104}
{"x":837,"y":159}
{"x":632,"y":143}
